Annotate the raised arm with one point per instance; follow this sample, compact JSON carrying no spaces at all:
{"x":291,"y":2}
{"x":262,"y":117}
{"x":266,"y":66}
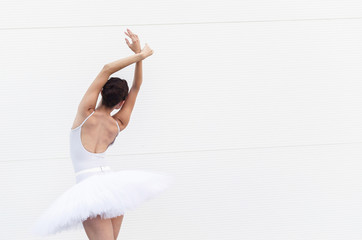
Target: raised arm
{"x":89,"y":100}
{"x":124,"y":114}
{"x":117,"y":65}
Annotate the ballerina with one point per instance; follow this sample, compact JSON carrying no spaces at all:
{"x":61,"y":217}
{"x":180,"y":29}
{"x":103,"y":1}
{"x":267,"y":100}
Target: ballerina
{"x":101,"y":196}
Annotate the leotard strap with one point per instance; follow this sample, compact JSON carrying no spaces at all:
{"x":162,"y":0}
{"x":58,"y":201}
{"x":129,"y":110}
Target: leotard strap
{"x":117,"y":125}
{"x":86,"y":119}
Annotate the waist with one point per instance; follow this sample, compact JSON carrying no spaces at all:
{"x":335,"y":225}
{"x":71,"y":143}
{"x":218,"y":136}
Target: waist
{"x":81,"y":163}
{"x":95,"y":169}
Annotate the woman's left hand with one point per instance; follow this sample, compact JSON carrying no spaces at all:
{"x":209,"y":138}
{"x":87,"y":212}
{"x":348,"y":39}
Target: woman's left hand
{"x":135,"y":46}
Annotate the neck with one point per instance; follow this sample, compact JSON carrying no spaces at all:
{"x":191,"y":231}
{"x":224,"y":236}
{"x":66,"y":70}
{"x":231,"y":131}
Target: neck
{"x":104,"y":109}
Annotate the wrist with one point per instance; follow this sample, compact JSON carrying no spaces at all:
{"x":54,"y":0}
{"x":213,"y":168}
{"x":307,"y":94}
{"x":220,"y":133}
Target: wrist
{"x":141,"y":54}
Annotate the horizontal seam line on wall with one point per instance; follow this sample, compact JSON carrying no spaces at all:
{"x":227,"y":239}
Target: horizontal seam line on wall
{"x":203,"y":150}
{"x":191,"y":23}
{"x":243,"y":148}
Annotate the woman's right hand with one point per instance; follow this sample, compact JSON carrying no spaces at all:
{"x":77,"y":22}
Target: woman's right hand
{"x":135,"y":46}
{"x":146,"y":51}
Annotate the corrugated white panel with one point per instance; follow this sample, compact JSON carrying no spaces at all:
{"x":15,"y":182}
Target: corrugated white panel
{"x":265,"y":193}
{"x":43,"y":13}
{"x":218,"y":103}
{"x":215,"y":86}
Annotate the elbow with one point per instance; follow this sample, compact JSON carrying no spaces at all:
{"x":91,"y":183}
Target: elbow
{"x":106,"y":68}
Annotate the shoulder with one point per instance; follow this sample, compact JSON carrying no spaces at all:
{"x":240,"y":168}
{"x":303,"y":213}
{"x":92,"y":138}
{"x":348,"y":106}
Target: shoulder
{"x":80,"y":116}
{"x":85,"y":113}
{"x":120,"y":125}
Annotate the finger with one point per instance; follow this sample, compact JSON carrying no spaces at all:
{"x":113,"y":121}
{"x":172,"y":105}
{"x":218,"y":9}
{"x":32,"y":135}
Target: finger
{"x":133,"y":36}
{"x":130,"y":32}
{"x":128,"y":43}
{"x":127,"y":34}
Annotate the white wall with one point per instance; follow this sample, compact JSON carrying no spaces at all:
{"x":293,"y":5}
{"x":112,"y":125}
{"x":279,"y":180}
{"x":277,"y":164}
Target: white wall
{"x":254,"y":107}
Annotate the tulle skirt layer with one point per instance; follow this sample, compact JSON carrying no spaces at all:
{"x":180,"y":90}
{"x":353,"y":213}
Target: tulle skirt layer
{"x":108,"y":194}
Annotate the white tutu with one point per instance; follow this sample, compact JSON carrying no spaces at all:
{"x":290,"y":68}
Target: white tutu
{"x":109,"y":195}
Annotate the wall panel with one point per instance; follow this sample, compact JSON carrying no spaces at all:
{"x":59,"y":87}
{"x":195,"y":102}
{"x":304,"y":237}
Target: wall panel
{"x":206,"y":87}
{"x":310,"y":192}
{"x":68,"y":13}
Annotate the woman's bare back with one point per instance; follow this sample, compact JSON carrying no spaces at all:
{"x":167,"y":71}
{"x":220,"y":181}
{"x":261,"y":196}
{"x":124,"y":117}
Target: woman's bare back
{"x":98,"y":132}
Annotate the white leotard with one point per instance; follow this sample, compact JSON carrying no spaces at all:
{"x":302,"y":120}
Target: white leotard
{"x":86,"y":163}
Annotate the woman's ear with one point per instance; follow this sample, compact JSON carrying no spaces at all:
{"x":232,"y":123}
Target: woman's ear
{"x":119,"y":105}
